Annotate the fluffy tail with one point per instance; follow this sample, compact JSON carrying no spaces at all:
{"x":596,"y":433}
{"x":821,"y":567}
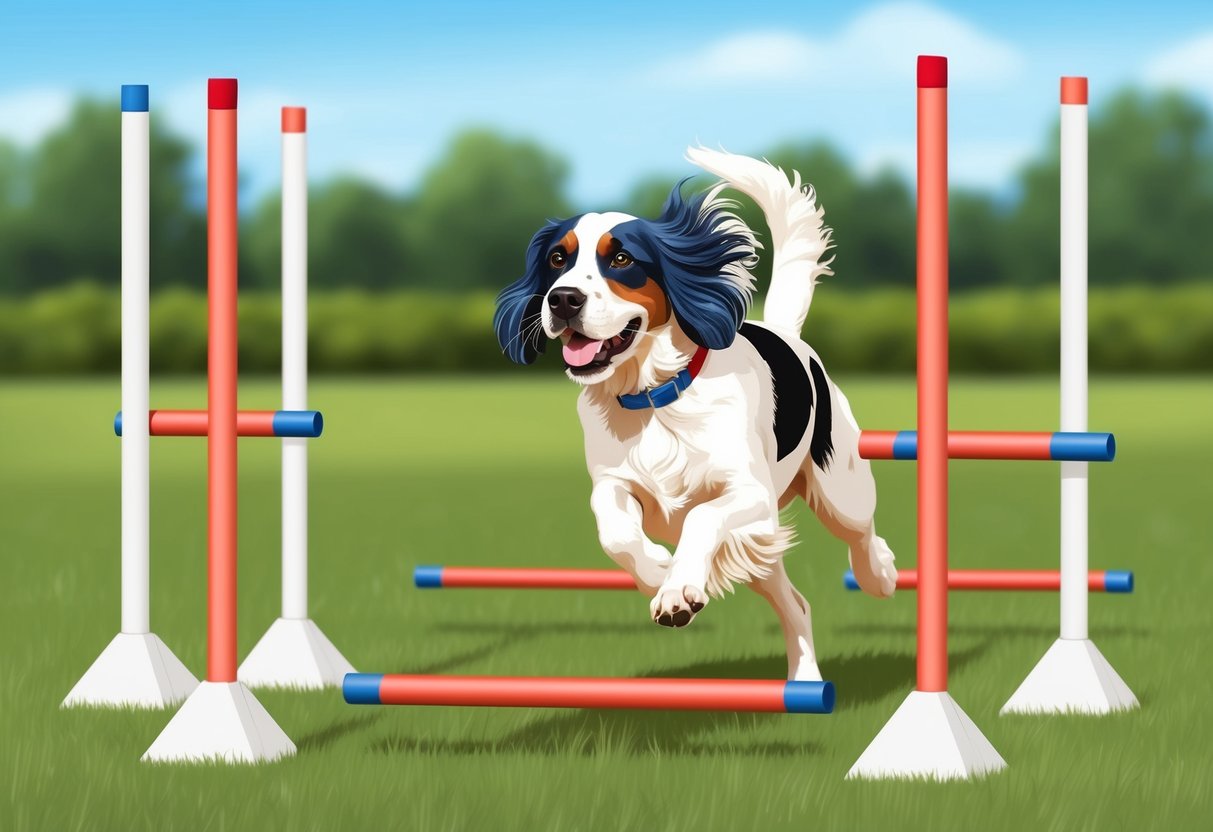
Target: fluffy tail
{"x":799,"y":237}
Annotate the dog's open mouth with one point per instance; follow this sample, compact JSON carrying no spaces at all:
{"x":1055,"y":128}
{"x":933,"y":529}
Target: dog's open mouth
{"x":584,"y":355}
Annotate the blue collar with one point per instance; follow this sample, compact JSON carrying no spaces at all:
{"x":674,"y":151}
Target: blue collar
{"x":667,"y":393}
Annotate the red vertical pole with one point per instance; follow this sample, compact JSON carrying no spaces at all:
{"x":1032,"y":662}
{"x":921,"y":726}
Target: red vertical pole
{"x":932,"y":373}
{"x":221,"y":379}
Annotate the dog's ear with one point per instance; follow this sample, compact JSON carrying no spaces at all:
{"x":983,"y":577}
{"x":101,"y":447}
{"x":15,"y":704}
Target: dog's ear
{"x":517,"y":318}
{"x":704,"y":252}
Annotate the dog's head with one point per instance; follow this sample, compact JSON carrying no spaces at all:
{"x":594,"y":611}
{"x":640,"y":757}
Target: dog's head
{"x":616,"y":288}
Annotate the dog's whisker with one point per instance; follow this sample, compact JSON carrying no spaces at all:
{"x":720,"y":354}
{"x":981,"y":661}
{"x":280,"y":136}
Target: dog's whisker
{"x":525,"y":333}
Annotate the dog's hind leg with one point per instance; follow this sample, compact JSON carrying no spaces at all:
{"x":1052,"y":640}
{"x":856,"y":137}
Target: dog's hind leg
{"x":794,"y":618}
{"x":843,"y":495}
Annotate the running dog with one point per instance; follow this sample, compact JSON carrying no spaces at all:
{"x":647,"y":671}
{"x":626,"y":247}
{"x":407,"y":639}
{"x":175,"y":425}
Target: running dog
{"x":699,"y":424}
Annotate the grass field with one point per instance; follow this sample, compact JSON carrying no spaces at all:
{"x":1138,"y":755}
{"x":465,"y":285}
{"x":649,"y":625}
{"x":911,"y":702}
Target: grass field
{"x":491,"y":472}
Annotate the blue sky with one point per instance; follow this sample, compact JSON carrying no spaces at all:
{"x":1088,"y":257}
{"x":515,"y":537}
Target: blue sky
{"x":618,"y":88}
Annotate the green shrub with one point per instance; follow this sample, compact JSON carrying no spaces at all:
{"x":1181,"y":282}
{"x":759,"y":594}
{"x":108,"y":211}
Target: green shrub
{"x":77,"y":330}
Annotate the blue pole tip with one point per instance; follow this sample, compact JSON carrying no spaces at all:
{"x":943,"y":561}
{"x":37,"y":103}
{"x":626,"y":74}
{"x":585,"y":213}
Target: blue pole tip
{"x":427,"y":577}
{"x":848,"y":579}
{"x":808,"y":697}
{"x":307,"y":424}
{"x":1117,"y":581}
{"x":134,"y":98}
{"x":362,"y":688}
{"x":1082,"y":447}
{"x":118,"y":423}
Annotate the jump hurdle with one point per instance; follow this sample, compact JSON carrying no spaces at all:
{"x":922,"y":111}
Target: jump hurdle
{"x":220,"y":718}
{"x":1073,"y":675}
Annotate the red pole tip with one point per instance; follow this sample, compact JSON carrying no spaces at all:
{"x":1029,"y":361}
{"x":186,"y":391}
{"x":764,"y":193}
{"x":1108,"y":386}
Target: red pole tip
{"x":932,"y":71}
{"x":221,"y":93}
{"x":294,"y":119}
{"x":1073,"y":90}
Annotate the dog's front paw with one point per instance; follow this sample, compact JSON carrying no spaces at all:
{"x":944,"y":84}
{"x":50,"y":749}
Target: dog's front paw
{"x":676,"y":606}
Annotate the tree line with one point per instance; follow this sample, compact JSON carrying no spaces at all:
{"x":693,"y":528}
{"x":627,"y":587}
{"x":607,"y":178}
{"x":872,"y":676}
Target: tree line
{"x":466,"y":224}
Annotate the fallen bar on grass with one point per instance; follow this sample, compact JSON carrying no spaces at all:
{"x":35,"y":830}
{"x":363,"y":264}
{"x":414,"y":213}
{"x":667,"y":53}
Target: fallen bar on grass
{"x":475,"y":577}
{"x":748,"y":695}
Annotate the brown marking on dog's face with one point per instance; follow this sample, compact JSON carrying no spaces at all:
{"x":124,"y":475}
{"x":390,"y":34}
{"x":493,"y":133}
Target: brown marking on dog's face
{"x":568,"y":244}
{"x":649,"y":297}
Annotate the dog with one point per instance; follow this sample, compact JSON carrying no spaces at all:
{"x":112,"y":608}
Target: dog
{"x":700,"y":426}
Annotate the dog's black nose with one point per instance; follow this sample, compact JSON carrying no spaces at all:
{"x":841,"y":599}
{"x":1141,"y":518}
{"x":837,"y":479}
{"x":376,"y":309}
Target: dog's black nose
{"x":566,"y":302}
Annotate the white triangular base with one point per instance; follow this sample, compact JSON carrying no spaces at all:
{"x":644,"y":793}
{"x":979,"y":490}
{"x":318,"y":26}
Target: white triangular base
{"x":294,"y":653}
{"x":1072,"y":677}
{"x":134,"y":670}
{"x":220,"y":721}
{"x":928,"y":737}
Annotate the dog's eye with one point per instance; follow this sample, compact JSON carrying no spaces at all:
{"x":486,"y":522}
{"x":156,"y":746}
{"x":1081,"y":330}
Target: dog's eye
{"x":557,"y":259}
{"x":621,"y":260}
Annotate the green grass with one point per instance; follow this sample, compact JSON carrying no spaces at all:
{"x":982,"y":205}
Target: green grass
{"x":491,"y":472}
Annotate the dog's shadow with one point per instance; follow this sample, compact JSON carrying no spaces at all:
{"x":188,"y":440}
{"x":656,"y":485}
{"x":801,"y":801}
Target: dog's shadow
{"x":859,"y":679}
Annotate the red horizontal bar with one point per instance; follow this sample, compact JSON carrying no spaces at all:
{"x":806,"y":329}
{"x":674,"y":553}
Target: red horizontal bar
{"x":1039,"y":580}
{"x":968,"y":444}
{"x":194,"y":423}
{"x":548,"y":692}
{"x":471,"y":577}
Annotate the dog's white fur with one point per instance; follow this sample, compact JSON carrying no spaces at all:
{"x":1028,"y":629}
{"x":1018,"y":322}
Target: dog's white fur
{"x":702,"y":473}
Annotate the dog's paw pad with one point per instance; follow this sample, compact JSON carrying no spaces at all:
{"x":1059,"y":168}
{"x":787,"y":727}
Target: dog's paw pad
{"x":677,"y":607}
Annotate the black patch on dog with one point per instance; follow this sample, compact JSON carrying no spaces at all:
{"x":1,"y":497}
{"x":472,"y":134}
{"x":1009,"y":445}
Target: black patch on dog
{"x":793,"y":393}
{"x":821,"y":446}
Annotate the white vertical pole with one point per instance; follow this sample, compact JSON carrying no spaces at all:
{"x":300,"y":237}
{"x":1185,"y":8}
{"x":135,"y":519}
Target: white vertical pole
{"x":135,"y":267}
{"x":1074,"y":354}
{"x":294,"y":359}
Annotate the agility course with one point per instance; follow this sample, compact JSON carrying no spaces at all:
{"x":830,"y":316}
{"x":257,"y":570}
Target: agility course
{"x":220,"y":717}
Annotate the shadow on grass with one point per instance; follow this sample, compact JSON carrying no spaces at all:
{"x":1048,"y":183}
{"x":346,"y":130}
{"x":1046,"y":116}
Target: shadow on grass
{"x":990,"y":631}
{"x":611,"y":732}
{"x":325,"y":737}
{"x":509,"y":635}
{"x":637,"y":626}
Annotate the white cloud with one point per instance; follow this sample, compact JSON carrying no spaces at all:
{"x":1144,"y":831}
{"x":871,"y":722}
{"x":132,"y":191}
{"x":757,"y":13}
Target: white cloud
{"x":26,"y":115}
{"x":877,"y":47}
{"x":1188,"y":64}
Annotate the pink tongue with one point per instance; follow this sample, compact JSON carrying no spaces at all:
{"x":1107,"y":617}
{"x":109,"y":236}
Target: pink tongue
{"x":580,"y":350}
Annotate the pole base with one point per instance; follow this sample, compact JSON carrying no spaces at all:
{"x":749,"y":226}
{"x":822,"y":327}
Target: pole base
{"x":134,"y":670}
{"x":1072,"y":677}
{"x":223,"y":722}
{"x":294,"y":653}
{"x":928,"y":737}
